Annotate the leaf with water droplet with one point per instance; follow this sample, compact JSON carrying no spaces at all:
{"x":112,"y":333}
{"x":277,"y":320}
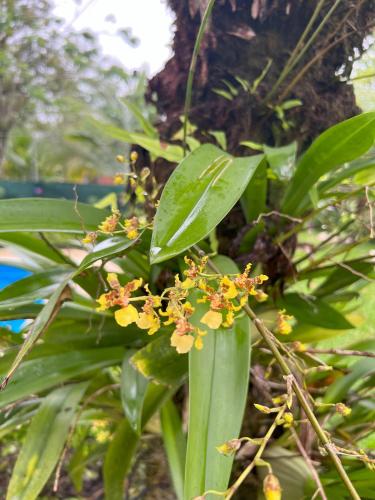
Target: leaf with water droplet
{"x":198,"y":195}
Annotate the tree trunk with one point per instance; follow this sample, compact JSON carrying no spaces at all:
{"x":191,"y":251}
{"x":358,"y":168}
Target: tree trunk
{"x":248,"y":39}
{"x":237,"y":88}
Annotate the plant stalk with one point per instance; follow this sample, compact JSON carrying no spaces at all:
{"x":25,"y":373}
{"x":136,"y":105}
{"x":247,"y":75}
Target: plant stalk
{"x":328,"y":445}
{"x":193,"y":63}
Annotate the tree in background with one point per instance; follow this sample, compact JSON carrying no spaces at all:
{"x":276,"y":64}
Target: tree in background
{"x":51,"y":78}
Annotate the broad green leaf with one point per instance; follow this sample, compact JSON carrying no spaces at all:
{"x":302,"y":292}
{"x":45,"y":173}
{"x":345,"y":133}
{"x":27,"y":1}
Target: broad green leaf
{"x":174,"y":444}
{"x":31,"y":310}
{"x":153,"y":145}
{"x":40,"y":374}
{"x":253,"y":200}
{"x":313,"y":311}
{"x":337,"y":145}
{"x":218,"y":386}
{"x":351,"y":382}
{"x":43,"y":214}
{"x":198,"y":195}
{"x":108,"y":248}
{"x":133,"y":390}
{"x":121,"y":451}
{"x":44,"y":442}
{"x":75,"y":334}
{"x":160,"y":362}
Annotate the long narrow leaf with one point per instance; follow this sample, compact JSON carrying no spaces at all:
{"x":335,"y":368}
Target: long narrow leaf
{"x":218,"y":385}
{"x":175,"y":445}
{"x":42,"y":321}
{"x":43,"y":214}
{"x":339,"y":144}
{"x":40,"y":374}
{"x":44,"y":442}
{"x":133,"y":391}
{"x":121,"y":451}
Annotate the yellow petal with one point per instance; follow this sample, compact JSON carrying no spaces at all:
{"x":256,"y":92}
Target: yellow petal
{"x":126,"y":315}
{"x":212,"y":319}
{"x":230,"y":290}
{"x":102,"y":300}
{"x":229,"y":320}
{"x":182,"y":343}
{"x":148,"y":322}
{"x":137,"y":283}
{"x":188,"y":283}
{"x":198,"y":343}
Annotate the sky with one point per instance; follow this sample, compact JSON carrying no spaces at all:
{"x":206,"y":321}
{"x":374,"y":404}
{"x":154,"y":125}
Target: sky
{"x":149,"y":20}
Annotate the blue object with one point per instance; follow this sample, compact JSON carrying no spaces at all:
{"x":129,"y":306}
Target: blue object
{"x":8,"y":275}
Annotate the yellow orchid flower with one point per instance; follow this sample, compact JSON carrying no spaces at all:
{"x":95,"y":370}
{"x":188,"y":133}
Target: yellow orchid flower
{"x":102,"y":301}
{"x":212,"y":319}
{"x":229,"y":288}
{"x":182,"y":343}
{"x":148,"y":321}
{"x":126,"y":315}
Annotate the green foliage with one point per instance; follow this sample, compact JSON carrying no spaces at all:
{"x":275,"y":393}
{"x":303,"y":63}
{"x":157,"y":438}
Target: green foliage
{"x":131,"y":375}
{"x":44,"y":442}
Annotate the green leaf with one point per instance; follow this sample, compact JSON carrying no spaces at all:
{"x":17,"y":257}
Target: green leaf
{"x":313,"y":311}
{"x":32,"y":287}
{"x":121,"y":451}
{"x":218,"y":386}
{"x":108,"y":248}
{"x":342,"y":277}
{"x":118,"y":460}
{"x":153,"y":145}
{"x":339,"y":144}
{"x":174,"y":444}
{"x":198,"y":195}
{"x":253,"y":200}
{"x":34,"y":247}
{"x":44,"y":442}
{"x":146,"y":125}
{"x":133,"y":390}
{"x":40,"y":374}
{"x":282,"y":159}
{"x":41,"y":322}
{"x":43,"y":214}
{"x":160,"y":362}
{"x":218,"y":382}
{"x":350,"y":382}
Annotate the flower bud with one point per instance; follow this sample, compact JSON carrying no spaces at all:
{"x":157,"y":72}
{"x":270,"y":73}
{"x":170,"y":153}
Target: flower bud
{"x":133,"y":156}
{"x":343,"y":409}
{"x":120,"y":159}
{"x":271,"y":487}
{"x":229,"y":447}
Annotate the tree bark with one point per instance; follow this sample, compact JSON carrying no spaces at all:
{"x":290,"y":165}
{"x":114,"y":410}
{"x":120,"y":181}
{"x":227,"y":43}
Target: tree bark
{"x":243,"y":39}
